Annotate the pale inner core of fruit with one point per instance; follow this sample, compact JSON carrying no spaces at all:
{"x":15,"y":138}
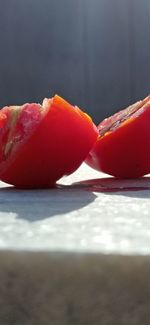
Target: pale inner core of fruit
{"x":113,"y":122}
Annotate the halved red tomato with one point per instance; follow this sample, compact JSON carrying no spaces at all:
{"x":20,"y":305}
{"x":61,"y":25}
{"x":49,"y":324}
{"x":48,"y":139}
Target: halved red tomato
{"x":123,"y":146}
{"x":41,"y":143}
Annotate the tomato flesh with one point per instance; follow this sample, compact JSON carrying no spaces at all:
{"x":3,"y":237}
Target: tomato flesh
{"x":122,"y":148}
{"x":45,"y":143}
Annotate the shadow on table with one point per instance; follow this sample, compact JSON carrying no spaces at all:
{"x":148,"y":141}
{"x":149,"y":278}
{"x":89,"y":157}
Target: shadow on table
{"x":34,"y":205}
{"x":139,"y":187}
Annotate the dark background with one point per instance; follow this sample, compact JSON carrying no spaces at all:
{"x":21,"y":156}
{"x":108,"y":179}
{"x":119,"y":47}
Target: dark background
{"x":95,"y":53}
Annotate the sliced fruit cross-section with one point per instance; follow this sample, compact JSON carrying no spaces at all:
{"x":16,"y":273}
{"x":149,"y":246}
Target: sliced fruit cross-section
{"x":123,"y":146}
{"x":41,"y":143}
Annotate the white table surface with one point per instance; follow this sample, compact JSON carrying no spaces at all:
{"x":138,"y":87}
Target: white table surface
{"x":102,"y":215}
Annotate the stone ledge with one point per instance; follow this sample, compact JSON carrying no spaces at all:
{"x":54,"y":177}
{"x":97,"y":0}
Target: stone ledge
{"x":76,"y":255}
{"x":66,"y":289}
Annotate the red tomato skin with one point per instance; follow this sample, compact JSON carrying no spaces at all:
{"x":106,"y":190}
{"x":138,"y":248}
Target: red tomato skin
{"x":57,"y":147}
{"x":125,"y":151}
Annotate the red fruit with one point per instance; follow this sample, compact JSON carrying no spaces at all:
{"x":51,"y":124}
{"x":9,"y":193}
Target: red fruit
{"x":123,"y":146}
{"x":41,"y":143}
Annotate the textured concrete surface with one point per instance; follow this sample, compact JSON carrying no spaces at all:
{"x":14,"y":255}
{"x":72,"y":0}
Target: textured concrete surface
{"x":77,"y":254}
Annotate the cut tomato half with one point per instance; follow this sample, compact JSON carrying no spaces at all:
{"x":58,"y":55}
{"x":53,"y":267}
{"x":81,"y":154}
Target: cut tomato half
{"x":41,"y":143}
{"x":123,"y":146}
